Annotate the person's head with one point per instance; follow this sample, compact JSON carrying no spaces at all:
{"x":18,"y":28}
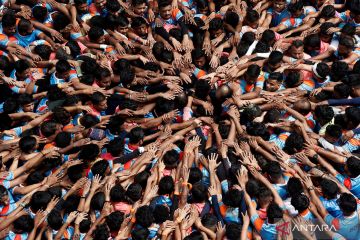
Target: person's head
{"x":293,"y":79}
{"x":171,"y":159}
{"x":223,"y":92}
{"x":279,"y":5}
{"x":4,"y":196}
{"x":272,"y":116}
{"x":139,"y":7}
{"x":202,"y":89}
{"x":251,"y":112}
{"x":165,"y":9}
{"x":216,"y":27}
{"x":39,"y":200}
{"x":275,"y":59}
{"x":89,"y":152}
{"x":50,"y":128}
{"x":88,"y":121}
{"x":103,"y":77}
{"x":101,"y":232}
{"x":117,"y":193}
{"x":140,"y":234}
{"x":300,"y":202}
{"x":114,"y":220}
{"x":27,"y":144}
{"x":342,"y":91}
{"x":43,"y":50}
{"x":140,"y":26}
{"x":97,"y":201}
{"x":75,"y":172}
{"x":312,"y":44}
{"x":61,"y":115}
{"x":122,"y":24}
{"x":195,"y":175}
{"x":252,"y":19}
{"x":101,"y":168}
{"x":323,"y":114}
{"x":294,"y":186}
{"x":26,"y":102}
{"x":348,"y":30}
{"x":329,"y":188}
{"x":233,"y":198}
{"x":354,"y":11}
{"x":23,"y":224}
{"x":81,"y":5}
{"x":126,"y":77}
{"x":324,"y":35}
{"x":166,"y":185}
{"x":352,"y":166}
{"x":268,"y":37}
{"x":63,"y":69}
{"x":22,"y":68}
{"x":274,"y":213}
{"x":321,"y":71}
{"x":144,"y":216}
{"x":136,"y":136}
{"x":347,"y":204}
{"x":40,"y":13}
{"x":100,"y":4}
{"x":333,"y":133}
{"x":99,"y":101}
{"x":209,"y":221}
{"x":252,"y":74}
{"x":63,"y":139}
{"x":233,"y":231}
{"x":199,"y":58}
{"x":327,"y":12}
{"x":258,"y":129}
{"x":297,"y":49}
{"x":55,"y":220}
{"x":96,"y":35}
{"x":352,"y":115}
{"x":274,"y":82}
{"x":296,"y":8}
{"x":274,"y":171}
{"x":231,"y":18}
{"x":113,"y":7}
{"x":134,"y":192}
{"x":25,"y":27}
{"x":203,"y":7}
{"x":353,"y":81}
{"x":346,"y":46}
{"x":339,"y":70}
{"x":161,"y":213}
{"x":294,"y":143}
{"x":8,"y":23}
{"x":198,"y":193}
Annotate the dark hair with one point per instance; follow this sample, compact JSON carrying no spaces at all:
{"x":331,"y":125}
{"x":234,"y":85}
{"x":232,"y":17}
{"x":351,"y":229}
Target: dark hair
{"x":101,"y":232}
{"x":342,"y":90}
{"x":233,"y":231}
{"x":136,"y":135}
{"x":95,"y":33}
{"x":329,"y":188}
{"x":253,"y":71}
{"x":137,"y":22}
{"x":23,"y":26}
{"x":97,"y":98}
{"x":347,"y":203}
{"x":63,"y":139}
{"x":198,"y":193}
{"x":327,"y":12}
{"x":114,"y":220}
{"x":275,"y":57}
{"x":89,"y":120}
{"x":338,"y":70}
{"x":27,"y":144}
{"x":55,"y":220}
{"x":24,"y":223}
{"x":9,"y":19}
{"x":144,"y":216}
{"x":97,"y":202}
{"x":39,"y":200}
{"x":161,"y":214}
{"x":140,"y":234}
{"x":251,"y":16}
{"x":353,"y":165}
{"x":21,"y":65}
{"x":44,"y":51}
{"x":62,"y":66}
{"x":134,"y":192}
{"x":294,"y":186}
{"x":100,"y":168}
{"x":233,"y":198}
{"x":294,"y":143}
{"x":334,"y":130}
{"x":171,"y":158}
{"x":300,"y":202}
{"x":295,"y":6}
{"x":195,"y":175}
{"x":166,"y":185}
{"x":324,"y":113}
{"x":274,"y":212}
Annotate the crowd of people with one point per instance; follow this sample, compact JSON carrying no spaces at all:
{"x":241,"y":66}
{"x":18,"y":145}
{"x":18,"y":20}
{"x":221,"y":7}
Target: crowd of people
{"x":179,"y":119}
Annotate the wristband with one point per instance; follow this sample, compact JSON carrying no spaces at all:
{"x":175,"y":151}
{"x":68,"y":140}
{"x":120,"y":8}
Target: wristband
{"x":311,"y":188}
{"x":103,"y":46}
{"x":141,"y":149}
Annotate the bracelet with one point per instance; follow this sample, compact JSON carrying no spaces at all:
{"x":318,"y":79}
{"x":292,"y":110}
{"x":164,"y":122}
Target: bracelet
{"x":133,"y":220}
{"x":82,"y":197}
{"x":311,"y":188}
{"x":132,"y":210}
{"x":176,"y":193}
